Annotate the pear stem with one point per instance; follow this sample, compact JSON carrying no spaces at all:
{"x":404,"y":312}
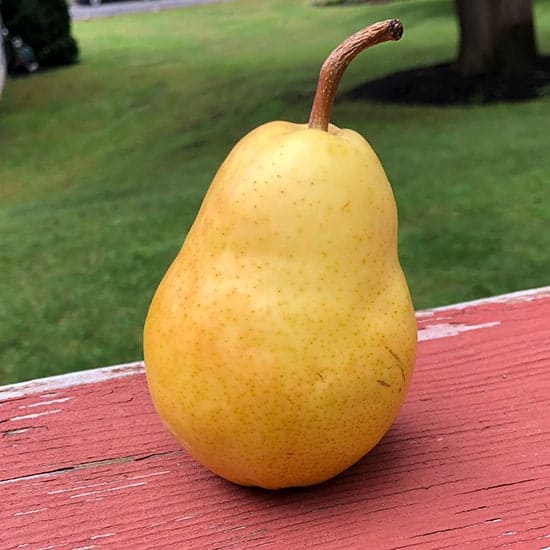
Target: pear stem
{"x":336,"y":63}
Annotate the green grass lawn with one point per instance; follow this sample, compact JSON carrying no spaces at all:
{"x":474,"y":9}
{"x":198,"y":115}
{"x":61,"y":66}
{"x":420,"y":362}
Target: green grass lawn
{"x":103,"y":165}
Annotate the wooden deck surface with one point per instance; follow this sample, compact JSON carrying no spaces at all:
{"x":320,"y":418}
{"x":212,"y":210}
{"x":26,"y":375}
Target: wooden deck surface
{"x":85,"y":462}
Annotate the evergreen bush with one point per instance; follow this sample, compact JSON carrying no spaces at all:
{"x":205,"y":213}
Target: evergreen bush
{"x":45,"y":25}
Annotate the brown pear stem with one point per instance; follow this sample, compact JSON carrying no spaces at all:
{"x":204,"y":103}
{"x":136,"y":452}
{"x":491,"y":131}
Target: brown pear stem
{"x":336,"y":63}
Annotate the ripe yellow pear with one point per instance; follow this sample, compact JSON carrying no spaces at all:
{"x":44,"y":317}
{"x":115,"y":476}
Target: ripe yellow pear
{"x":280,"y":344}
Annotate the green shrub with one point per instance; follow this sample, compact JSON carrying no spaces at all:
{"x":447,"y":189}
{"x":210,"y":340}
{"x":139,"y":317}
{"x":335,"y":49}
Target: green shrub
{"x":45,"y":25}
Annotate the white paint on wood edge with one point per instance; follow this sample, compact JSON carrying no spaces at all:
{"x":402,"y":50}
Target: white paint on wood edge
{"x":444,"y":330}
{"x":511,"y":297}
{"x":70,"y":379}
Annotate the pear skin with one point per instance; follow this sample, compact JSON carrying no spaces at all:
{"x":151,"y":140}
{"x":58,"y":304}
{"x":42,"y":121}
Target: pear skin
{"x":280,"y":344}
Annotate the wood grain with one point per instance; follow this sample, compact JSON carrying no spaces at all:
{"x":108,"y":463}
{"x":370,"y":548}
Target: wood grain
{"x":85,"y":462}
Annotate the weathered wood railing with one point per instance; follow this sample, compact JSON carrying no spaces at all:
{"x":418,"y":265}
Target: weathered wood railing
{"x":85,"y":463}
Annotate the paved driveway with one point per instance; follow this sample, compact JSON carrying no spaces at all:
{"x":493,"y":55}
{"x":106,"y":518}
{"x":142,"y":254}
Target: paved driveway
{"x":83,"y":11}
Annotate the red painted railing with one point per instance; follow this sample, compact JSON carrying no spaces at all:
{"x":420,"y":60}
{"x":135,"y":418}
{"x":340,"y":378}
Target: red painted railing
{"x":85,"y":462}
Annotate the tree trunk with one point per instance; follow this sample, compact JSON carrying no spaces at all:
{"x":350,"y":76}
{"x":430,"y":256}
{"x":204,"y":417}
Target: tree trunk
{"x":496,"y":36}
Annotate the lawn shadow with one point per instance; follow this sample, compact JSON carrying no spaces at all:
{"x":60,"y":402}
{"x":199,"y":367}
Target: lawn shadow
{"x":441,"y":85}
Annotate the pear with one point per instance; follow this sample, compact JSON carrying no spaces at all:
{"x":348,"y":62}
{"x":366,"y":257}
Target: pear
{"x":280,"y":344}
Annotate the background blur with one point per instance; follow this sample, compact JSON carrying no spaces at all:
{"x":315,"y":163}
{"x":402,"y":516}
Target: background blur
{"x":104,"y":162}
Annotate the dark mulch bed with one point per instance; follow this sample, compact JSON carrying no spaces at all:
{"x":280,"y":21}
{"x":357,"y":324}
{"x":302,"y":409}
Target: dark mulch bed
{"x":440,"y":85}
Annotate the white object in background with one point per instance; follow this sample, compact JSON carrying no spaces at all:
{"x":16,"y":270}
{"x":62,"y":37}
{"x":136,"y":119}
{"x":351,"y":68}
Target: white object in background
{"x":2,"y":62}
